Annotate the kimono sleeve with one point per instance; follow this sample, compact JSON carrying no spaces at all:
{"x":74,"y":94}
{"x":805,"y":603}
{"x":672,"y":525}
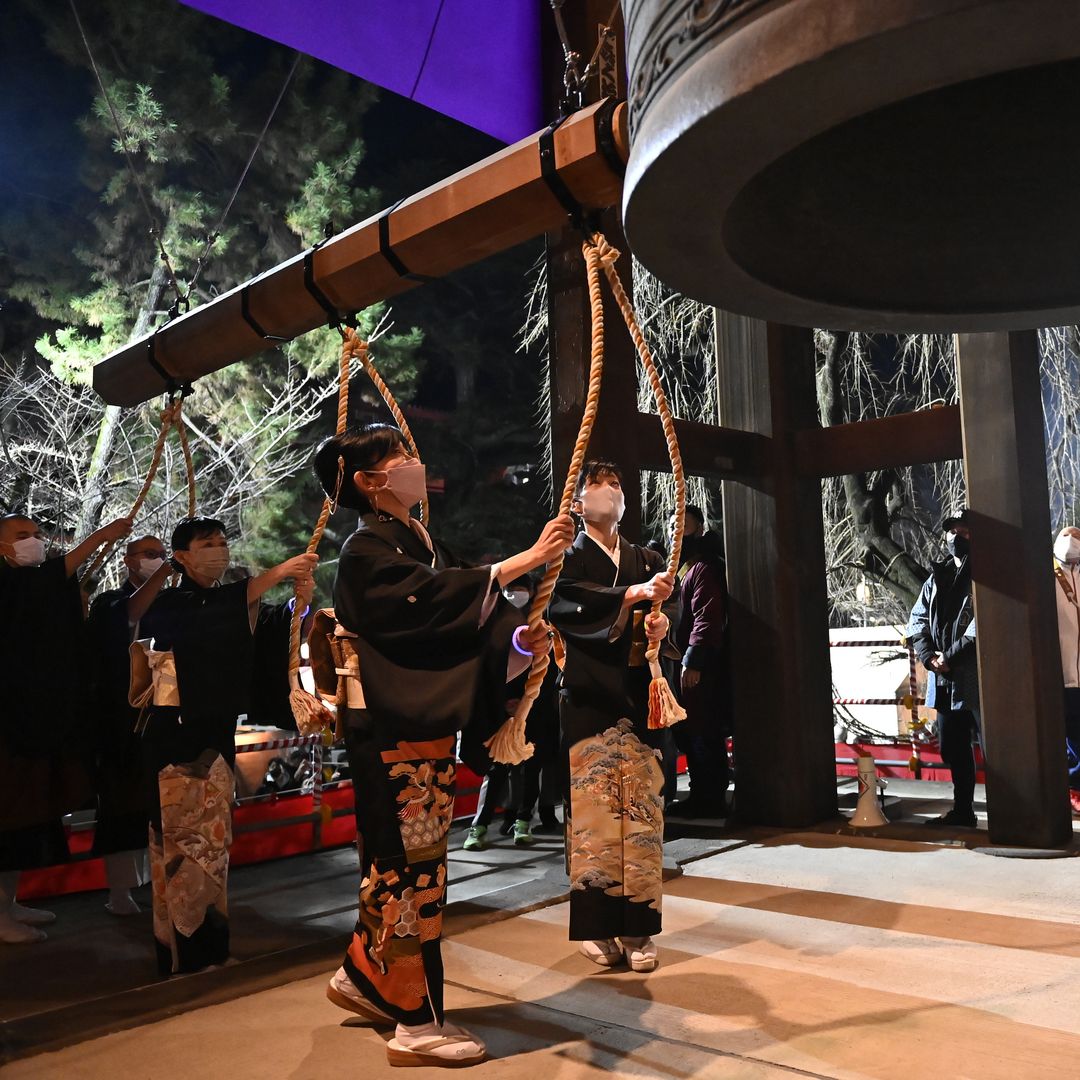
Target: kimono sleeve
{"x":399,"y":605}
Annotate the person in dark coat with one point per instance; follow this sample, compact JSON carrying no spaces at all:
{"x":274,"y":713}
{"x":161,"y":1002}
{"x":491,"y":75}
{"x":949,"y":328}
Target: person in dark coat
{"x":601,"y":608}
{"x":942,"y":633}
{"x":120,"y":832}
{"x":430,"y":639}
{"x":44,"y":737}
{"x":701,"y":637}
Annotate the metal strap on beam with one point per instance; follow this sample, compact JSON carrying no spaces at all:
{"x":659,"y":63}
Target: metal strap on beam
{"x":490,"y":207}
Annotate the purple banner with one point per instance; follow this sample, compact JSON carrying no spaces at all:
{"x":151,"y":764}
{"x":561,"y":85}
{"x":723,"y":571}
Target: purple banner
{"x":475,"y":60}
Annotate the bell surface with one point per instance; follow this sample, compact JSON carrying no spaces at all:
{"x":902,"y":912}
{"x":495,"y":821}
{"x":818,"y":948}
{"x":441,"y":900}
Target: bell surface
{"x":877,"y":165}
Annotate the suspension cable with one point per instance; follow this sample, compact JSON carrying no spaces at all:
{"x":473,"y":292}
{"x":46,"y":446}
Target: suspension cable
{"x":155,"y":228}
{"x":213,"y":235}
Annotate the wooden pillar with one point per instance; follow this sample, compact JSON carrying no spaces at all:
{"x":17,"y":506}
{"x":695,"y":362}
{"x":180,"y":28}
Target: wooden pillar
{"x":785,"y":772}
{"x":569,"y":325}
{"x":1015,"y":613}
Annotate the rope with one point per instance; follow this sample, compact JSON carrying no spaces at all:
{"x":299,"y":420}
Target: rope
{"x":399,"y":419}
{"x":310,"y":713}
{"x":666,"y":419}
{"x":170,"y":417}
{"x":508,"y":745}
{"x":351,"y":346}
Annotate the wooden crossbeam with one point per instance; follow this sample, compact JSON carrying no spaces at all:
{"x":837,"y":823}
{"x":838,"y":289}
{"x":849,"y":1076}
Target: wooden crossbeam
{"x":501,"y":201}
{"x":717,"y":452}
{"x":914,"y":438}
{"x":731,"y":454}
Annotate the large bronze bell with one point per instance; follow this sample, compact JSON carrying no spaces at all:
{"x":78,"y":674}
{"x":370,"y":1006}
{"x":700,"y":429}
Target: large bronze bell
{"x":864,"y":164}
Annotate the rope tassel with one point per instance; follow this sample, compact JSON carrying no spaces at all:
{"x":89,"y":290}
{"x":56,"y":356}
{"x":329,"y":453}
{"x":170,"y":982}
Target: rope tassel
{"x":508,"y":746}
{"x":664,"y":709}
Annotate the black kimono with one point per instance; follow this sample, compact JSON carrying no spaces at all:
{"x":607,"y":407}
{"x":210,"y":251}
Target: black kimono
{"x":122,"y":811}
{"x":189,"y":748}
{"x":431,"y":638}
{"x":616,"y":827}
{"x":44,"y":720}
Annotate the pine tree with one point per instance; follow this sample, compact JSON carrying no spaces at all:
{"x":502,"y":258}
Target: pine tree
{"x":191,"y":95}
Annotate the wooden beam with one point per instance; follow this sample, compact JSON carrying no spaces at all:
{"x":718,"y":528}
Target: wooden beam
{"x":720,"y":453}
{"x":781,"y":686}
{"x":1015,"y":611}
{"x":914,"y":438}
{"x":489,"y":207}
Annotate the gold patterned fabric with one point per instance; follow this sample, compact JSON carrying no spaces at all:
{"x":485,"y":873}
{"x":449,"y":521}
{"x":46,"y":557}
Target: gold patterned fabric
{"x":615,"y":836}
{"x":404,"y":806}
{"x":189,"y":862}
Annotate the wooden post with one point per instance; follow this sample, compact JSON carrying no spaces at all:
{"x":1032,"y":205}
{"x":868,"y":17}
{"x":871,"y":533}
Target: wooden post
{"x":781,"y":694}
{"x":1015,"y":613}
{"x":569,"y":326}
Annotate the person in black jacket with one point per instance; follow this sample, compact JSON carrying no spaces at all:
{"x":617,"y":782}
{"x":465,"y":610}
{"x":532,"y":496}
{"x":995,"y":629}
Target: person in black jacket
{"x":942,"y":633}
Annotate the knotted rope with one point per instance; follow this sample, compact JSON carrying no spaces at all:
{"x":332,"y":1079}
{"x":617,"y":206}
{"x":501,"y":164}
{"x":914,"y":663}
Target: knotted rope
{"x":664,"y":709}
{"x":310,"y":713}
{"x":508,"y":745}
{"x":399,"y":419}
{"x":171,"y":417}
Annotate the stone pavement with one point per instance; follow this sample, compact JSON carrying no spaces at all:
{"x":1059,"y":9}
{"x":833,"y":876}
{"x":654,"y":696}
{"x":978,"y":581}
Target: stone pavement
{"x":804,"y":954}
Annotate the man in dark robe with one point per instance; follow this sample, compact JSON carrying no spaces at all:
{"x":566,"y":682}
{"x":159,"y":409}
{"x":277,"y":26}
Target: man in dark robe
{"x":429,"y":639}
{"x":616,"y":828}
{"x":700,"y":678}
{"x":122,"y":815}
{"x":198,"y":648}
{"x":43,"y":731}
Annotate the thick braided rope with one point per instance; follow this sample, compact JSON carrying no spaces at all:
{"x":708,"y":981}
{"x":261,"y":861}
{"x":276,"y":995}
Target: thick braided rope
{"x":351,"y":346}
{"x":189,"y":464}
{"x":399,"y":419}
{"x":537,"y":672}
{"x":666,"y":419}
{"x":168,"y":418}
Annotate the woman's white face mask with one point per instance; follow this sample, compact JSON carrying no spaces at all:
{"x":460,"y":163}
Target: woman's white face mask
{"x":1067,"y":548}
{"x":30,"y":551}
{"x":603,"y":505}
{"x":407,"y":481}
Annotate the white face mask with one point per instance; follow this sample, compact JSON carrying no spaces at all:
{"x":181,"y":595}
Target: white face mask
{"x":30,"y":551}
{"x":407,"y":482}
{"x":1067,"y":548}
{"x":209,"y":562}
{"x":603,"y":505}
{"x":149,"y":567}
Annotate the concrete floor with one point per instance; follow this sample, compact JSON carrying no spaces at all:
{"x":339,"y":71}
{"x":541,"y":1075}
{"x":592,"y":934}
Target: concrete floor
{"x":810,"y":954}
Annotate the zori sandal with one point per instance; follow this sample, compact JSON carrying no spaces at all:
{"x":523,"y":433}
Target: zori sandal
{"x":344,"y":995}
{"x":606,"y":952}
{"x":444,"y":1046}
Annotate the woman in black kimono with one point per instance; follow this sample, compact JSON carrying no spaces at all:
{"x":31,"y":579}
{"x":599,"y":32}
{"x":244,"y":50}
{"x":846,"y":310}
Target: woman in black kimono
{"x":431,"y":639}
{"x":199,"y":651}
{"x":616,"y":827}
